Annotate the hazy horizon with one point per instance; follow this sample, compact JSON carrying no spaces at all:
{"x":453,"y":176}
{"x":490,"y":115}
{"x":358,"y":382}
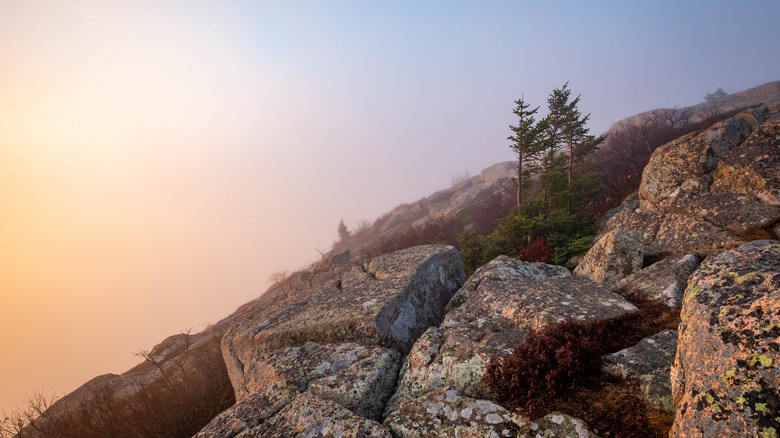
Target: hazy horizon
{"x":161,"y":159}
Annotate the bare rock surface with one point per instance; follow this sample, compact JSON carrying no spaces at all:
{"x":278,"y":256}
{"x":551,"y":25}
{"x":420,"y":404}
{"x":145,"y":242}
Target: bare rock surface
{"x":709,"y":190}
{"x":649,"y":362}
{"x":364,"y":387}
{"x":664,"y":281}
{"x":616,"y":255}
{"x":557,"y":424}
{"x":448,"y":414}
{"x":390,"y":302}
{"x":725,"y":377}
{"x":311,"y":417}
{"x":489,"y":316}
{"x":358,"y":378}
{"x":246,"y":417}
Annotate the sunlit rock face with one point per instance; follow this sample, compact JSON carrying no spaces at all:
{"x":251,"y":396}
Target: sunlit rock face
{"x":707,"y":191}
{"x":726,"y":380}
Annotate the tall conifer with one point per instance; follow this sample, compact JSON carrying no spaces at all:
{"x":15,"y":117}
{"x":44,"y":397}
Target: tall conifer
{"x":526,"y":142}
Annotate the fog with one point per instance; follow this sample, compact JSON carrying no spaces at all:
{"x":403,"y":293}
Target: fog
{"x":159,"y":160}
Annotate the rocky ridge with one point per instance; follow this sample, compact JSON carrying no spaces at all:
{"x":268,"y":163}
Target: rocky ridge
{"x":397,"y":346}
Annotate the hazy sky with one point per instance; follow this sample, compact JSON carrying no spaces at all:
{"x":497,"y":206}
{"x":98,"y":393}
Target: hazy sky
{"x":159,"y":160}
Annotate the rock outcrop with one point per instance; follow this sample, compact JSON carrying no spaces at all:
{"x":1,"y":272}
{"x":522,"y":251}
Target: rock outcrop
{"x":446,"y":413}
{"x":616,"y":255}
{"x":398,"y":346}
{"x":664,"y":281}
{"x":389,"y":302}
{"x":725,"y":378}
{"x":337,"y":349}
{"x":487,"y":318}
{"x":704,"y":192}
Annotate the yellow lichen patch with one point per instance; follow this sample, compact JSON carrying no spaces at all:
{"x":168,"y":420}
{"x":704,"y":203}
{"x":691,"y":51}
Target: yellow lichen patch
{"x":763,"y":359}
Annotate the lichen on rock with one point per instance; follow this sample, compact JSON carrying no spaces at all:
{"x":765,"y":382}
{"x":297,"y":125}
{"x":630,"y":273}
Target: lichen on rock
{"x":448,"y":414}
{"x":725,"y":378}
{"x":649,"y":363}
{"x":491,"y":315}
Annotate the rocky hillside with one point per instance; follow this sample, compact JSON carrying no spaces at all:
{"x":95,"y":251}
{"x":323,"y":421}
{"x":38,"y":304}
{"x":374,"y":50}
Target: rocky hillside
{"x":465,"y":203}
{"x":404,"y":345}
{"x":328,"y":366}
{"x":761,"y":95}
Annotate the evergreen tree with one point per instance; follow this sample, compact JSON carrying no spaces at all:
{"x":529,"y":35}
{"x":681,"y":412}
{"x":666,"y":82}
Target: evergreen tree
{"x":558,"y":106}
{"x":579,"y":142}
{"x":344,"y":233}
{"x":527,"y":142}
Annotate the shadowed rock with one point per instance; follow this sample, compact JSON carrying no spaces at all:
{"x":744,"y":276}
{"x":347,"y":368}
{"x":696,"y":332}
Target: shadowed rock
{"x":725,"y":377}
{"x":664,"y":281}
{"x":648,"y":362}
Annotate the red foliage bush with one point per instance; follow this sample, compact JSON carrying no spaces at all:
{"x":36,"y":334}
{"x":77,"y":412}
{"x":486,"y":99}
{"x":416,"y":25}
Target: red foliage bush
{"x":538,"y":251}
{"x":549,"y":363}
{"x":554,"y":360}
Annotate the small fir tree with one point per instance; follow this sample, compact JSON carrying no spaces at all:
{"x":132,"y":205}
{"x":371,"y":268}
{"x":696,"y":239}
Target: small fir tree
{"x":344,"y":233}
{"x":526,"y":142}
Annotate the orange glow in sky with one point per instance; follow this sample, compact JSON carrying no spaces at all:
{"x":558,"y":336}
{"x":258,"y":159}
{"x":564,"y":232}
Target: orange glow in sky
{"x":159,"y":160}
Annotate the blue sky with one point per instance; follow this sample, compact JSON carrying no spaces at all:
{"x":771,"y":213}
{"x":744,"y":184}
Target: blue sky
{"x":162,"y":159}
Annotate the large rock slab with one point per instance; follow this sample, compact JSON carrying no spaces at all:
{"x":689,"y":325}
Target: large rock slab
{"x":247,"y":417}
{"x":311,"y":417}
{"x":616,"y":255}
{"x":447,"y":414}
{"x":489,"y":316}
{"x":390,"y":302}
{"x":358,"y":378}
{"x":725,"y":377}
{"x":709,"y":190}
{"x":685,"y":165}
{"x":664,"y":281}
{"x":649,"y":363}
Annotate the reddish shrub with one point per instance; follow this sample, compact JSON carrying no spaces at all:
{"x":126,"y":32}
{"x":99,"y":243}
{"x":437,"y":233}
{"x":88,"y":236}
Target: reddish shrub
{"x":559,"y":368}
{"x":549,"y":363}
{"x":538,"y":251}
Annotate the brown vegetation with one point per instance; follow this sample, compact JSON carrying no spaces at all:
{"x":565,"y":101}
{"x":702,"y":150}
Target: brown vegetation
{"x":559,"y":368}
{"x":438,"y":230}
{"x":190,"y":391}
{"x":627,"y":150}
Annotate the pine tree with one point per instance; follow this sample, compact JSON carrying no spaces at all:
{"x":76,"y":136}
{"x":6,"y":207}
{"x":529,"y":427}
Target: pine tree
{"x":527,"y":142}
{"x":344,"y":233}
{"x":577,"y":141}
{"x":558,"y":106}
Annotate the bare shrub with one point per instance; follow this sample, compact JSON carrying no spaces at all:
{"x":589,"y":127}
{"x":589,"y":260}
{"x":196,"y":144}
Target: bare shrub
{"x":627,"y":150}
{"x":191,"y":390}
{"x":439,"y":230}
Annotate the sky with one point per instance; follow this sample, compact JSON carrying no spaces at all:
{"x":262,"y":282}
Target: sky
{"x":159,"y":160}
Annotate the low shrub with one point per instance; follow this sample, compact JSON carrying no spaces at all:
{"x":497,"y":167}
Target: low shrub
{"x":558,"y":361}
